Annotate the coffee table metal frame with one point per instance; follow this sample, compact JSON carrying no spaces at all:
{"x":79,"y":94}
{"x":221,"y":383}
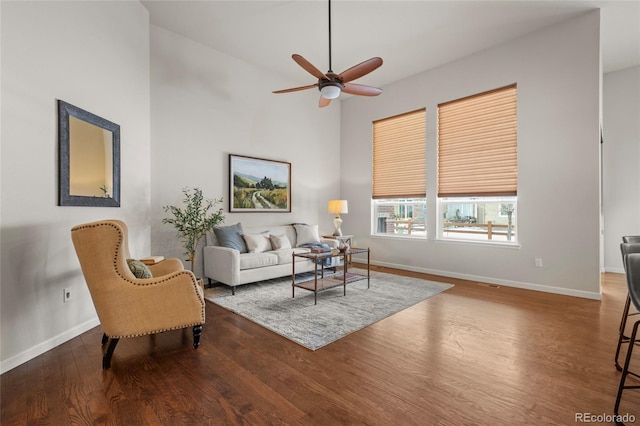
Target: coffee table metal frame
{"x":320,"y":282}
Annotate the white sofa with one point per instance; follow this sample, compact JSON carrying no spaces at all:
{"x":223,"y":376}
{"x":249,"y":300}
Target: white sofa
{"x":264,"y":260}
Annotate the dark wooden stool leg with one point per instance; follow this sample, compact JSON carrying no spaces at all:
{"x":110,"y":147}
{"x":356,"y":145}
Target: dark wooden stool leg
{"x":621,"y":337}
{"x":106,"y":359}
{"x":105,"y":338}
{"x":626,"y":372}
{"x":197,"y":332}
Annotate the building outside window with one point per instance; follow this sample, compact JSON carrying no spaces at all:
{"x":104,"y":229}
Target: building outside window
{"x":477,"y":167}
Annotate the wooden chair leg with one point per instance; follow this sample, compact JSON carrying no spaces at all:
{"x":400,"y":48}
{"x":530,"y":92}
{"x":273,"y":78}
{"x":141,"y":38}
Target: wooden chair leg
{"x":106,"y":359}
{"x":197,"y":332}
{"x":105,"y":338}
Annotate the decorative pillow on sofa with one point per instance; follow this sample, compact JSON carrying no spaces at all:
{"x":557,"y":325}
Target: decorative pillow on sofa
{"x":231,"y":237}
{"x":279,"y":242}
{"x":139,"y":269}
{"x":257,"y":243}
{"x":307,"y":234}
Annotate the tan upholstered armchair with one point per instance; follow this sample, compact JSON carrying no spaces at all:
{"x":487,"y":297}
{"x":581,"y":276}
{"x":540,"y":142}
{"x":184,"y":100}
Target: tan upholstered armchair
{"x":128,"y":306}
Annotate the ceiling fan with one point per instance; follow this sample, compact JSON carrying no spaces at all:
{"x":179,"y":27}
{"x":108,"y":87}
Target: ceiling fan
{"x":331,"y":84}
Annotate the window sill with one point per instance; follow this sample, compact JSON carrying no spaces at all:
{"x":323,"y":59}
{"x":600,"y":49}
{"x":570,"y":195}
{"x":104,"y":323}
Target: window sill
{"x":483,"y":243}
{"x":400,"y":237}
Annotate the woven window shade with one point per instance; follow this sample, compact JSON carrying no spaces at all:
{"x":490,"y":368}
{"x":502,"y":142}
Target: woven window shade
{"x":399,"y":156}
{"x":477,"y":145}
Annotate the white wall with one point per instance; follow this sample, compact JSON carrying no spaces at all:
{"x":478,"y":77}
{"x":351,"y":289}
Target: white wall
{"x":94,"y":55}
{"x":621,"y":162}
{"x":207,"y":105}
{"x":558,"y":77}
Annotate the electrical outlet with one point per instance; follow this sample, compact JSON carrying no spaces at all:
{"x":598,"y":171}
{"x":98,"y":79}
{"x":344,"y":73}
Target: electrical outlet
{"x":66,"y":295}
{"x":538,"y":262}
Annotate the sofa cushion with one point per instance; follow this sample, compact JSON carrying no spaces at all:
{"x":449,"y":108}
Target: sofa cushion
{"x":231,"y":237}
{"x":279,"y":242}
{"x":257,"y":243}
{"x":286,"y":255}
{"x":257,"y":260}
{"x":307,"y":234}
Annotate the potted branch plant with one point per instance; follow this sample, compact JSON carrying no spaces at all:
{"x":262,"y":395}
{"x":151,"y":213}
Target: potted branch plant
{"x":192,"y":220}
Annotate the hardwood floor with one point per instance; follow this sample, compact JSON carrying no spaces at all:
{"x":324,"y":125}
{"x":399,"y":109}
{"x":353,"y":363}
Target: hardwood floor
{"x":472,"y":355}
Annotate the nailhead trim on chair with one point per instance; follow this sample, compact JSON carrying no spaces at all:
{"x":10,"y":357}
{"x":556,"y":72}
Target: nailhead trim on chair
{"x":124,"y":336}
{"x":115,"y":264}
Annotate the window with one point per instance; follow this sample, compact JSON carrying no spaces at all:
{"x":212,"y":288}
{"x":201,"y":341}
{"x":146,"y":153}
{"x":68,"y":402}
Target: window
{"x":478,"y":218}
{"x":399,"y":175}
{"x":405,"y":217}
{"x":477,"y":167}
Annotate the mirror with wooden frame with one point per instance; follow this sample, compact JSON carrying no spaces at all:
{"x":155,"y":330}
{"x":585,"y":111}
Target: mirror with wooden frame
{"x":89,"y":158}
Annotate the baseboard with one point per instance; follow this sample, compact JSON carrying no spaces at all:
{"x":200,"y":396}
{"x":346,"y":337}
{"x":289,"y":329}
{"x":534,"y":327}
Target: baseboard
{"x":489,"y":280}
{"x":614,"y":270}
{"x":43,"y":347}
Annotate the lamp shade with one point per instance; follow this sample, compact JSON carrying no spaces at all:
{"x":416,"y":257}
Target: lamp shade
{"x":338,"y":206}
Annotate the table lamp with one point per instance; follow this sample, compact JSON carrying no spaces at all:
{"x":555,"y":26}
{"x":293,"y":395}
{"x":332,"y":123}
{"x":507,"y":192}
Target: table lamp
{"x":337,"y":207}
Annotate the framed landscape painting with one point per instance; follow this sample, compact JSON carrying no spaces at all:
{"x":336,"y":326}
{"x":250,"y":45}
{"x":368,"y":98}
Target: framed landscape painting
{"x":258,"y":185}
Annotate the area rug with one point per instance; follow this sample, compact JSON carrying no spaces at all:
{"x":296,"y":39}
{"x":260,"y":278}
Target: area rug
{"x":269,"y":303}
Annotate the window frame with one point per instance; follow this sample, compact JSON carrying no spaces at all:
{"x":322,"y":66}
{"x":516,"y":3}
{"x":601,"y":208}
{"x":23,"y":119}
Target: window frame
{"x":399,"y":171}
{"x":442,"y":201}
{"x":465,"y":129}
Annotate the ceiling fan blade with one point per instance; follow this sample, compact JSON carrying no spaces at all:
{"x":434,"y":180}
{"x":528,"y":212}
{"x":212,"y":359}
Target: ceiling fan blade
{"x":295,"y":89}
{"x":323,"y":102}
{"x":361,"y":69}
{"x":361,"y":89}
{"x":308,"y":66}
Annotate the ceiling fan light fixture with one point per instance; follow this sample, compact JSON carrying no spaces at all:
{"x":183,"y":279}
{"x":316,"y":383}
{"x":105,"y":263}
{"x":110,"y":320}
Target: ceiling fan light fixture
{"x":330,"y":91}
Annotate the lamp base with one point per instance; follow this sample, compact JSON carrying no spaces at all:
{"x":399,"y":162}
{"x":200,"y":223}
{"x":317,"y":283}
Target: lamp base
{"x":337,"y":223}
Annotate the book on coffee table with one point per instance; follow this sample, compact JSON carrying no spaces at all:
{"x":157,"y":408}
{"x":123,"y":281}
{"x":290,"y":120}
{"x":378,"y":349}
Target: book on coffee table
{"x":152,"y":260}
{"x":320,"y":250}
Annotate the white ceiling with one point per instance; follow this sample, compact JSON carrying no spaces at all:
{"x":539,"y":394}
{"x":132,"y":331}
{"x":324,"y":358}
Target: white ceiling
{"x":410,"y":36}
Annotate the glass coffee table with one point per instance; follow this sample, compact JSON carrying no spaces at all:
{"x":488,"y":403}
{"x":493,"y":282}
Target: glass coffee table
{"x":341,"y":277}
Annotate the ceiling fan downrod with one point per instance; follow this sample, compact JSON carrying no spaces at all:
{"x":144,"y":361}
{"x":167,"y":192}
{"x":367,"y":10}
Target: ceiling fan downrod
{"x":330,"y":67}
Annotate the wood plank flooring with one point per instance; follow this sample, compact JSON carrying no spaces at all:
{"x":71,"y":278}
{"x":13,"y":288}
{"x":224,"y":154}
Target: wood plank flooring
{"x":473,"y":355}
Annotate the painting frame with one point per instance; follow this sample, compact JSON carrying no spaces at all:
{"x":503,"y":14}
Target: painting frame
{"x":259,"y":185}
